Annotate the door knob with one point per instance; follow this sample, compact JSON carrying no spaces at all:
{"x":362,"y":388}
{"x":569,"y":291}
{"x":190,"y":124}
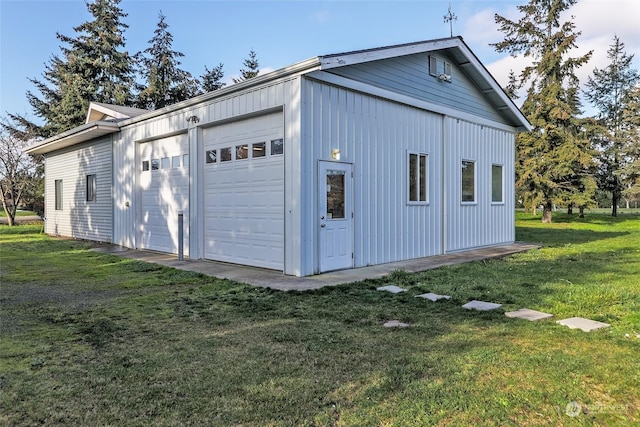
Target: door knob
{"x":323,"y":225}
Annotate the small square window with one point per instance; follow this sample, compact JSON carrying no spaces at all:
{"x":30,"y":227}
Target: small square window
{"x":212,"y":156}
{"x":166,"y":163}
{"x":155,"y":164}
{"x":145,"y":165}
{"x":277,"y":147}
{"x":91,"y":188}
{"x":496,"y":184}
{"x":242,"y":152}
{"x":225,"y":154}
{"x":258,"y":149}
{"x":185,"y":160}
{"x":468,"y":181}
{"x":175,"y":161}
{"x":58,"y":194}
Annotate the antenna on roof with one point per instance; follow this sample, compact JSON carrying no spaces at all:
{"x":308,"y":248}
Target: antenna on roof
{"x":450,"y":17}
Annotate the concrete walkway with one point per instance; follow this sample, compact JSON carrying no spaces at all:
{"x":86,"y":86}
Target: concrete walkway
{"x":277,"y":280}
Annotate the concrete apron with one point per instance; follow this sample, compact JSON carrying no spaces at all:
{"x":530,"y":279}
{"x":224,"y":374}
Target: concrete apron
{"x":276,"y":280}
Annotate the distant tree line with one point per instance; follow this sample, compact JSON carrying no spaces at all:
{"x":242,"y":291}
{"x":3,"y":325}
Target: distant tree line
{"x":568,"y":160}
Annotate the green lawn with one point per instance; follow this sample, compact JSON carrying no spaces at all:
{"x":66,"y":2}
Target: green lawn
{"x":94,"y":339}
{"x":18,"y":213}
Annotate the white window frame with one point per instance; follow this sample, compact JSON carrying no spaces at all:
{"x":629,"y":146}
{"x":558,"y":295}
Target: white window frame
{"x":91,"y":188}
{"x":501,"y":201}
{"x":475,"y":183}
{"x":422,"y":185}
{"x":58,"y":201}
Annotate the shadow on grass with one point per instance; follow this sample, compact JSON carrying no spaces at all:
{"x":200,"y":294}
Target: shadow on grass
{"x":555,"y":237}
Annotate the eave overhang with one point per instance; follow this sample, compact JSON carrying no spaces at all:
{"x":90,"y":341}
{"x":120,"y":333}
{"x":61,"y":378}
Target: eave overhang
{"x":74,"y":136}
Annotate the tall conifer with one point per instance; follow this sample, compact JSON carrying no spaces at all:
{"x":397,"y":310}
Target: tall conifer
{"x":92,"y":66}
{"x":251,"y":68}
{"x":609,"y":90}
{"x":165,"y":83}
{"x":553,"y":160}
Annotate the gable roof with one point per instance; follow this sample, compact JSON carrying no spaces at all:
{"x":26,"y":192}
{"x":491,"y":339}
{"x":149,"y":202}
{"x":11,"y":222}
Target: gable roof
{"x":101,"y":111}
{"x":462,"y":55}
{"x":112,"y":117}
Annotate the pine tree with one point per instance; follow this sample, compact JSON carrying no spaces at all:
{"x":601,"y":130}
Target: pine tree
{"x":631,"y":151}
{"x":91,"y":67}
{"x":165,"y":82}
{"x":609,"y":90}
{"x":553,"y":160}
{"x":251,"y":70}
{"x":212,"y":79}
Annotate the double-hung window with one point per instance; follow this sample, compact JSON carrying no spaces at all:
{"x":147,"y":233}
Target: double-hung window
{"x":418,"y":182}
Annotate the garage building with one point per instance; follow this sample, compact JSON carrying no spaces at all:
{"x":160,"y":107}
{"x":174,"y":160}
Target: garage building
{"x":340,"y":161}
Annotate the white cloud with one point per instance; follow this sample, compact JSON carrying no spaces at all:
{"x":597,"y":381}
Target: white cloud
{"x":598,"y":20}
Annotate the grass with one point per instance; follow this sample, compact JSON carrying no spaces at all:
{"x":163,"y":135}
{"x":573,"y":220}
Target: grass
{"x":3,"y":213}
{"x":94,"y":339}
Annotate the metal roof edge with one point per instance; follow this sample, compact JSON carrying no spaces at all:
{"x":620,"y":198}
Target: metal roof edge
{"x":299,"y":67}
{"x":58,"y":141}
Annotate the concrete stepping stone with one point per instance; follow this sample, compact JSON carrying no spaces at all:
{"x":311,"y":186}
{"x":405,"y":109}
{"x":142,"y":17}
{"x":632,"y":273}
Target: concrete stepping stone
{"x":395,"y":324}
{"x":392,"y":288}
{"x":528,"y":314}
{"x":481,"y":305}
{"x":586,"y":325}
{"x":433,"y":297}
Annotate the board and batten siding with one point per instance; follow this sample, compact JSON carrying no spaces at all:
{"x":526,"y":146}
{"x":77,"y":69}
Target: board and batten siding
{"x":481,"y":223}
{"x":409,"y":75}
{"x":280,"y":94}
{"x":375,"y":135}
{"x":79,"y":218}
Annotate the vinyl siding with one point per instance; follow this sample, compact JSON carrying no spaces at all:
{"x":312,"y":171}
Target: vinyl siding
{"x":409,"y":75}
{"x":78,"y":217}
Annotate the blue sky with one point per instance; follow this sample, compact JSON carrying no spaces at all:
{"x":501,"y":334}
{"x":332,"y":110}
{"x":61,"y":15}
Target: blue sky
{"x":285,"y":32}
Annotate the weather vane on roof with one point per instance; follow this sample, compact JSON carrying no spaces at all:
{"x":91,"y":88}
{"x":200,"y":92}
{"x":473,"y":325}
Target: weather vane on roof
{"x":450,"y":17}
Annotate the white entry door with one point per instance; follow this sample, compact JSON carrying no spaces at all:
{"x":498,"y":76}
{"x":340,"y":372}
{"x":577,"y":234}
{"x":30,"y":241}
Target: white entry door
{"x":335,"y":216}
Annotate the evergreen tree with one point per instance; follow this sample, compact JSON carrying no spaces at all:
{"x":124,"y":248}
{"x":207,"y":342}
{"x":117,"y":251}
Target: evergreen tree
{"x":212,"y":79}
{"x":609,"y":90}
{"x":631,"y":150}
{"x":165,"y":82}
{"x":553,"y":160}
{"x":92,"y":67}
{"x":251,"y":70}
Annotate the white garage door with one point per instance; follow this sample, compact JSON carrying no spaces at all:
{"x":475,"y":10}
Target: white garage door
{"x":244,"y":192}
{"x":164,"y":191}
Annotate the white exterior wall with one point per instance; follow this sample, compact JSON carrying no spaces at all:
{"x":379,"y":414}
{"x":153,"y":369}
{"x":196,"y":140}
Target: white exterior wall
{"x":280,"y":95}
{"x":482,"y":223}
{"x":374,"y":135}
{"x":78,"y":217}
